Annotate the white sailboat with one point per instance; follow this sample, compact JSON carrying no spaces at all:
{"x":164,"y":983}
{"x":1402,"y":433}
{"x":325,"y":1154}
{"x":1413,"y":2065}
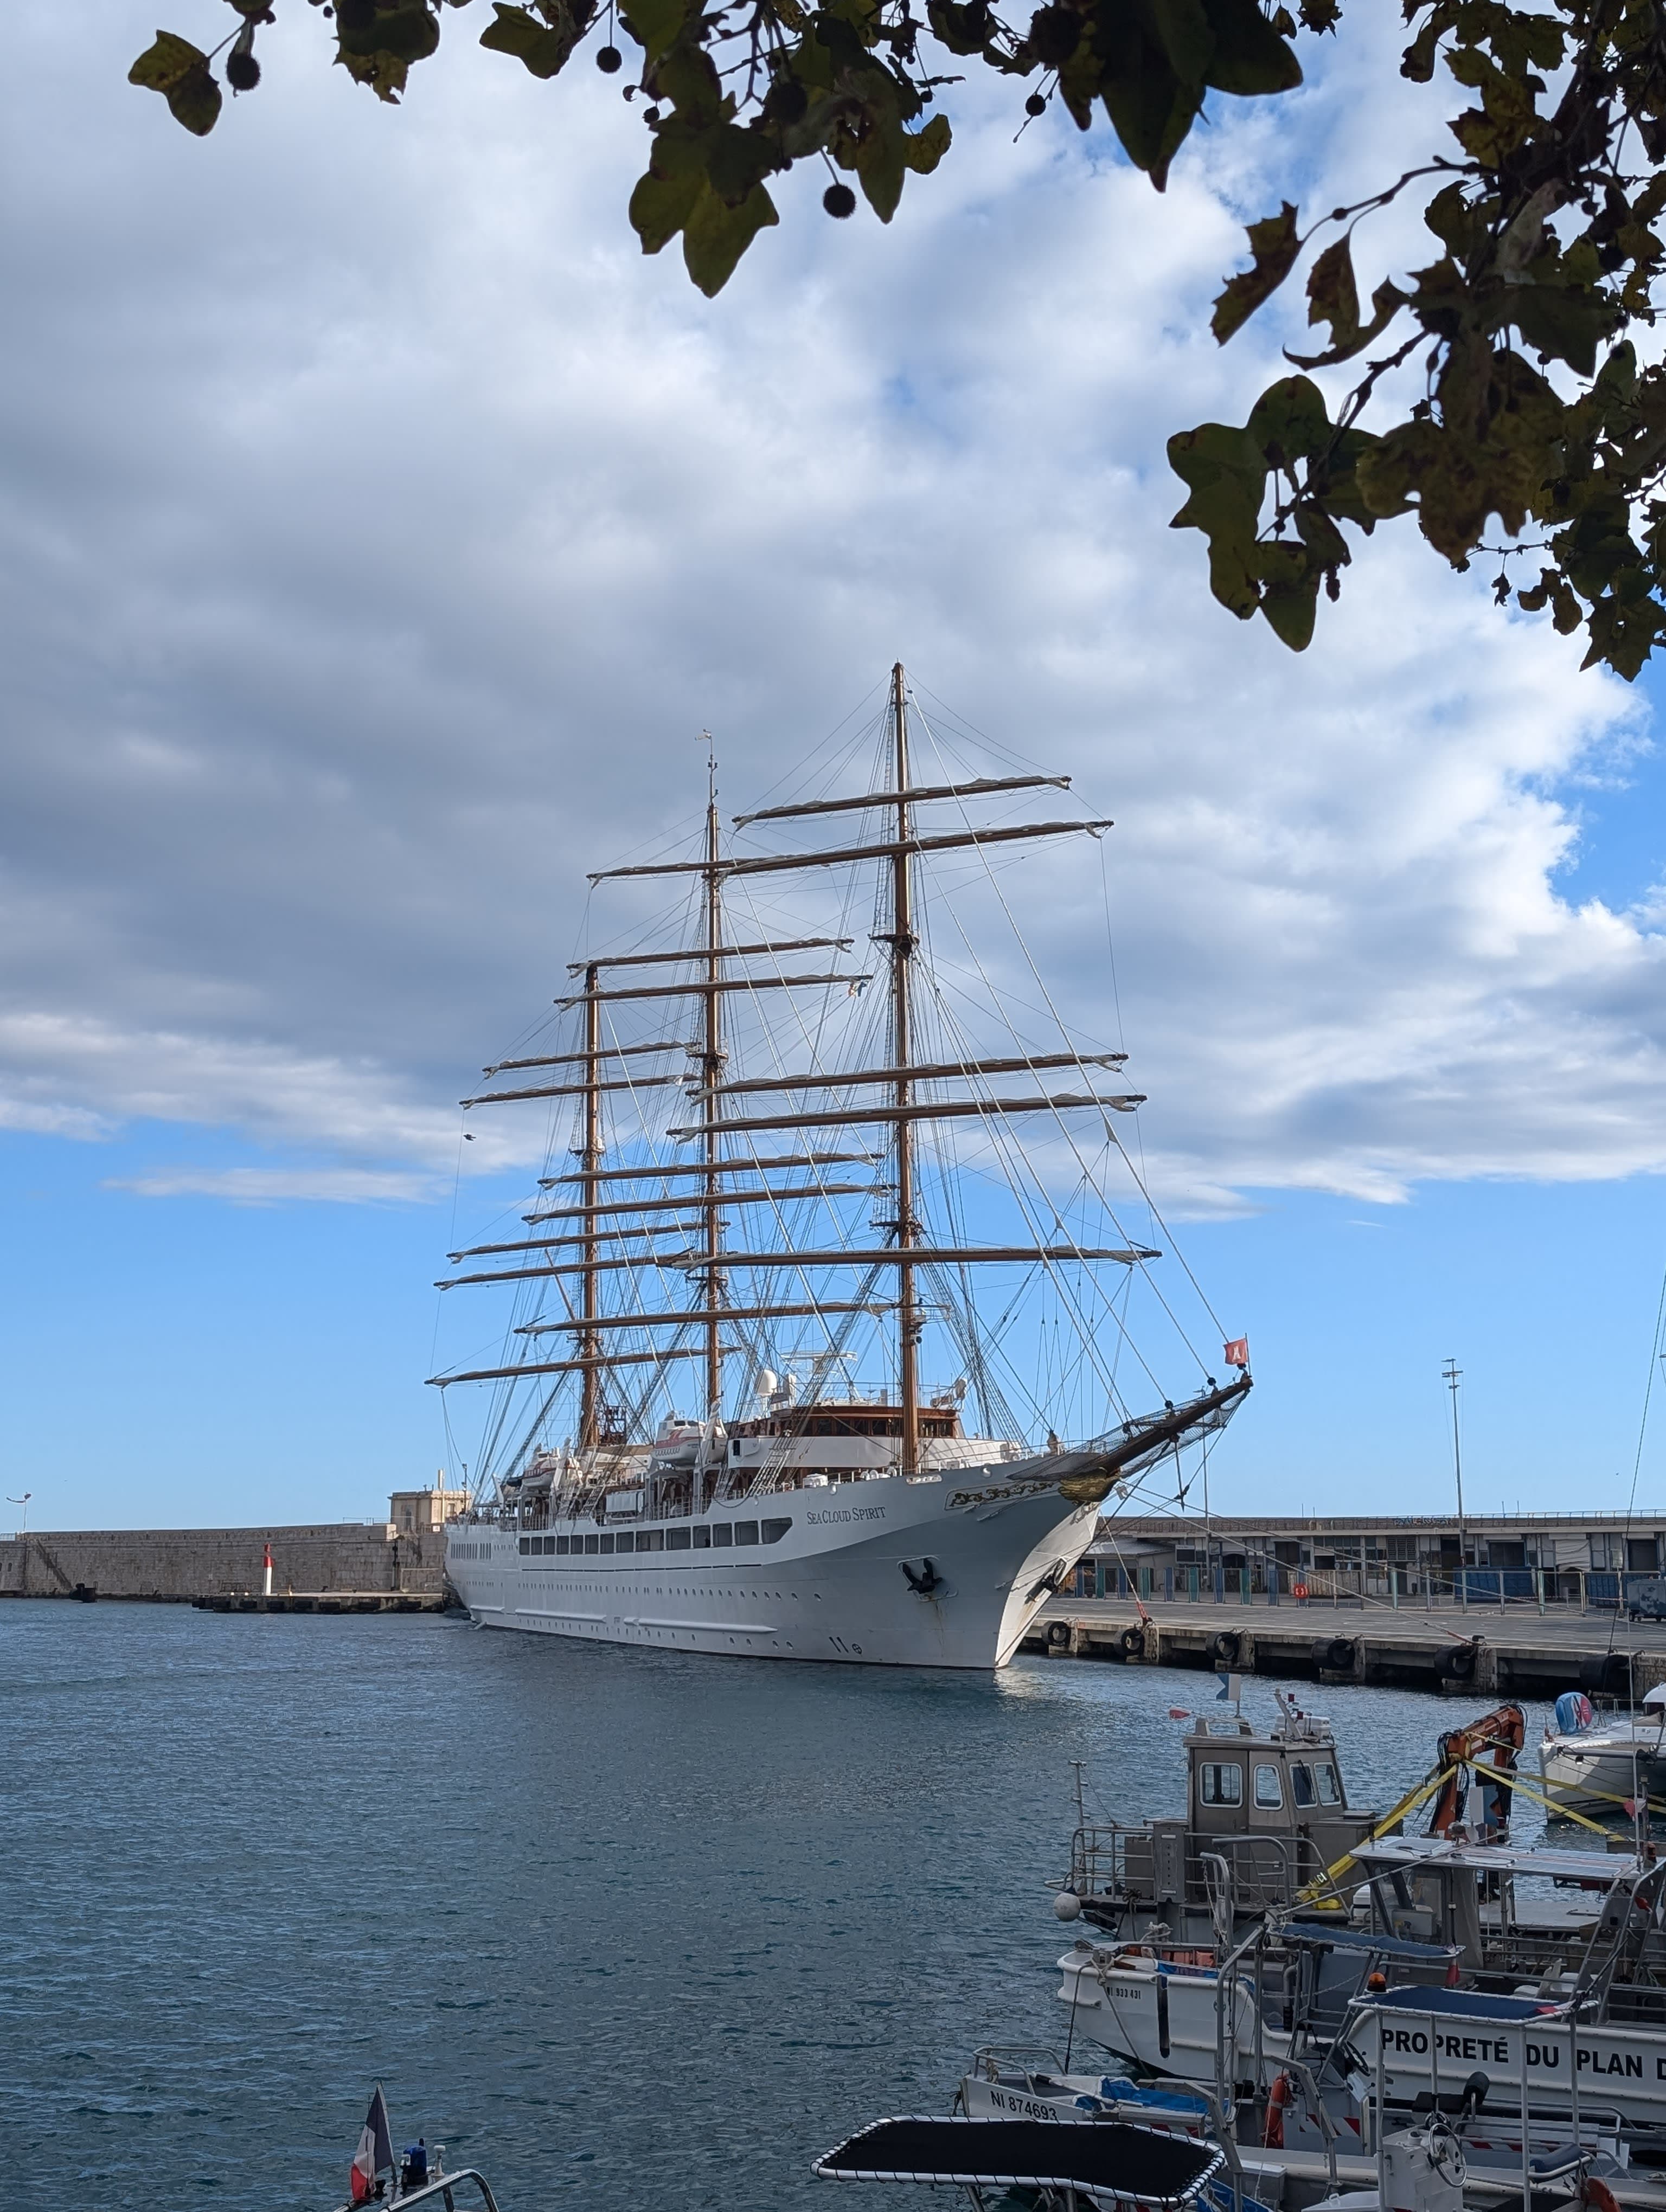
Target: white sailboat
{"x":798,"y":1510}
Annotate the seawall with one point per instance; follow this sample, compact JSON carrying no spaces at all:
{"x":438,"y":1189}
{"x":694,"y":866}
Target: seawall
{"x":177,"y":1564}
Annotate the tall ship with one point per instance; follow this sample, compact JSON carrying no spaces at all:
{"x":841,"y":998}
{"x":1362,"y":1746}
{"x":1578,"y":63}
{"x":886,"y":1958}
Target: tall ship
{"x":826,"y":1269}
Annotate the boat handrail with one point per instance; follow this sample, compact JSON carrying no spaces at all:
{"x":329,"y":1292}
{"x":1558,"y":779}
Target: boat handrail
{"x":990,"y":2056}
{"x":1266,"y":1870}
{"x":440,"y":2186}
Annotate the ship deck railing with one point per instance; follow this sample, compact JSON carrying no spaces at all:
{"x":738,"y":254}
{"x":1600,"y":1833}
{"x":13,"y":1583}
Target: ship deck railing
{"x":1121,"y":1863}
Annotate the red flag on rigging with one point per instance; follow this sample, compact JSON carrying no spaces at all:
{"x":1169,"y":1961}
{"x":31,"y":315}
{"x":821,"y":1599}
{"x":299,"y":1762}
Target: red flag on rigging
{"x":1238,"y":1351}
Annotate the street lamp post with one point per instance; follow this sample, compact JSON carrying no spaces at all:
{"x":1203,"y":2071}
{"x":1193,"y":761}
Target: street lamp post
{"x":1453,"y":1374}
{"x":24,"y":1502}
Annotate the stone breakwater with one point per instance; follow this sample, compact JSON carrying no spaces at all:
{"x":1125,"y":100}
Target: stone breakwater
{"x":174,"y":1566}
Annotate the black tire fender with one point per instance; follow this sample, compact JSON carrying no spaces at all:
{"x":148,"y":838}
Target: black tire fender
{"x":1132,"y":1641}
{"x":1058,"y":1632}
{"x":1227,"y":1646}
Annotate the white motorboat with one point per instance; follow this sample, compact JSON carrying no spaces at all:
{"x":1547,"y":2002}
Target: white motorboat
{"x":1607,"y":1763}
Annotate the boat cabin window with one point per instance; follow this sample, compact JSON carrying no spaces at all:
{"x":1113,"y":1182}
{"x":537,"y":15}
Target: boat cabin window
{"x":745,"y":1532}
{"x":722,"y":1532}
{"x":626,"y":1539}
{"x":677,"y":1540}
{"x":526,"y":1543}
{"x":593,"y":1543}
{"x":650,"y":1540}
{"x":1269,"y":1790}
{"x":775,"y":1530}
{"x":564,"y":1545}
{"x":1301,"y":1784}
{"x":607,"y":1543}
{"x":1222,"y":1785}
{"x":1330,"y":1790}
{"x":702,"y":1540}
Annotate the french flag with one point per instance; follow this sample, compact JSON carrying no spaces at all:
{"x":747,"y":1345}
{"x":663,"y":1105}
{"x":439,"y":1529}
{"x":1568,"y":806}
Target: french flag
{"x":375,"y":2155}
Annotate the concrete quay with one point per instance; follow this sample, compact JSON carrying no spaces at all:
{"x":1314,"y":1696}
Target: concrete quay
{"x":375,"y":1560}
{"x":1500,"y":1651}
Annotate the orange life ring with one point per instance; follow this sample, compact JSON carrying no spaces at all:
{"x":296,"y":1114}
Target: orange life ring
{"x":1278,"y":2097}
{"x":1298,"y":1590}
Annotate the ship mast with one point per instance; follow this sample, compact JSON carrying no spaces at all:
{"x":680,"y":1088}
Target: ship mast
{"x":711,"y":1076}
{"x":902,"y":956}
{"x":738,"y":1114}
{"x":590,"y":1161}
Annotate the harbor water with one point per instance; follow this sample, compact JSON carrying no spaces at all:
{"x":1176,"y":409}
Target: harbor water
{"x":627,"y":1929}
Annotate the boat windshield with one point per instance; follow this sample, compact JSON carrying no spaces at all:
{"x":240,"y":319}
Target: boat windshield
{"x":1330,"y":1790}
{"x":1301,"y":1784}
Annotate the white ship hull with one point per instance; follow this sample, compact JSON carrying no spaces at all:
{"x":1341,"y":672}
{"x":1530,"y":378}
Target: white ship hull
{"x":832,"y":1588}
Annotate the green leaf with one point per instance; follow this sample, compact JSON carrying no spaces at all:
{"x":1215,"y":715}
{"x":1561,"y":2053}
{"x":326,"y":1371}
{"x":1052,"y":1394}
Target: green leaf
{"x":180,"y":72}
{"x":1250,"y":56}
{"x":1149,"y":109}
{"x":655,"y":23}
{"x":1055,"y":33}
{"x":1226,"y":476}
{"x":1274,"y":245}
{"x":385,"y":73}
{"x":963,"y":28}
{"x":714,"y":235}
{"x":1623,"y":632}
{"x":407,"y":34}
{"x":1506,"y":117}
{"x":879,"y":169}
{"x":1561,"y":323}
{"x":923,"y":150}
{"x":736,"y":160}
{"x":1386,"y":302}
{"x":1186,"y":36}
{"x":1333,"y":480}
{"x":661,"y":205}
{"x":1417,"y":62}
{"x":1288,"y":423}
{"x":542,"y":48}
{"x":1322,"y":539}
{"x":1290,"y":590}
{"x":1333,"y":296}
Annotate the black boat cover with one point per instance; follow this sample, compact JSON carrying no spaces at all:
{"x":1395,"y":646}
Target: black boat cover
{"x":1133,"y":2164}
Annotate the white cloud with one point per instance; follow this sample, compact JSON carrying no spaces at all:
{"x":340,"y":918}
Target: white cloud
{"x":381,"y":529}
{"x":279,"y":1185}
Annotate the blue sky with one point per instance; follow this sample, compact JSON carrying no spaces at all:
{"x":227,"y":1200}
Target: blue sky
{"x":364,"y":581}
